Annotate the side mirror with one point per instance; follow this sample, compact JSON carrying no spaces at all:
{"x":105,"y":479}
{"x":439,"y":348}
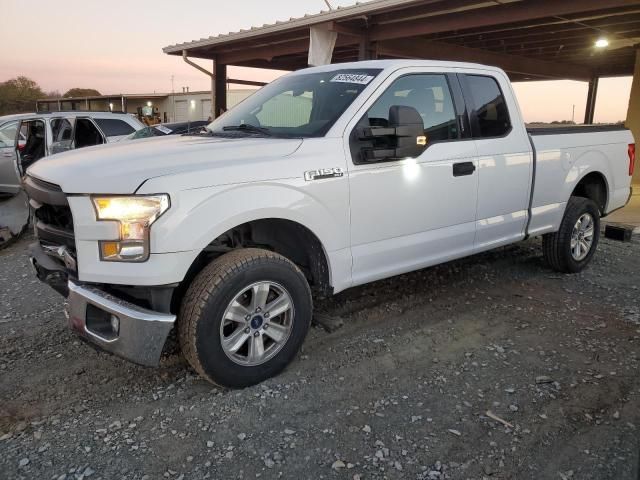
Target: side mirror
{"x":404,"y":137}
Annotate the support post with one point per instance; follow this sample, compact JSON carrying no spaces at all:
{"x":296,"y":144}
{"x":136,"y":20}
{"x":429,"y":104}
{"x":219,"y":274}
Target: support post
{"x":220,"y":86}
{"x":213,"y":91}
{"x":633,"y":113}
{"x":591,"y":101}
{"x":364,"y":47}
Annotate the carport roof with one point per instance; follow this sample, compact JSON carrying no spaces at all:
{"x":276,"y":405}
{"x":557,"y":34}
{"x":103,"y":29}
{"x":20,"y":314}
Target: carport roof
{"x":528,"y":38}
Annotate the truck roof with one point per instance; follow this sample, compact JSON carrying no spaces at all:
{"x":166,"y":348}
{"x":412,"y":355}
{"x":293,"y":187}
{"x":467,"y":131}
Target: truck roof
{"x":80,"y":113}
{"x":395,"y":64}
{"x":63,"y":113}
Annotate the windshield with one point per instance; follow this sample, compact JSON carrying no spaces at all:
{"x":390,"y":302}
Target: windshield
{"x":305,"y":105}
{"x":147,"y":132}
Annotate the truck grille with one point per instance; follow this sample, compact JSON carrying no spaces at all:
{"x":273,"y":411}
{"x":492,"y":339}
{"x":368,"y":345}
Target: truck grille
{"x":52,"y":217}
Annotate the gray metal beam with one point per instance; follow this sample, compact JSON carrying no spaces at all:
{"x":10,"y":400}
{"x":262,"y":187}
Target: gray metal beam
{"x":510,"y":63}
{"x":496,"y":15}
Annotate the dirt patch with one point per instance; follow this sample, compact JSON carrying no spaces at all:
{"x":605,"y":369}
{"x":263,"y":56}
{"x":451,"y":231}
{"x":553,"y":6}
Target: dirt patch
{"x":401,"y":391}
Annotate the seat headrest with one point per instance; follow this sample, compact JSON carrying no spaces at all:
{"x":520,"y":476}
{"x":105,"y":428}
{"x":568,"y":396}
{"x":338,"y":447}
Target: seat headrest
{"x":423,"y":98}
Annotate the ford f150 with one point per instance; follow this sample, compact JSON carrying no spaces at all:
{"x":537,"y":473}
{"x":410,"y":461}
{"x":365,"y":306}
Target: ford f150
{"x":327,"y":178}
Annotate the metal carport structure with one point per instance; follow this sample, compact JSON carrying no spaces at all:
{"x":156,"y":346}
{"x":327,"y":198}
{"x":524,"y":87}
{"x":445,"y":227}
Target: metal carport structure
{"x":529,"y":39}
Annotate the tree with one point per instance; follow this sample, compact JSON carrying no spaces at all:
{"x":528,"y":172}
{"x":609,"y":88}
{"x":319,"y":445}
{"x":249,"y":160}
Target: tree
{"x":81,"y":92}
{"x":19,"y":95}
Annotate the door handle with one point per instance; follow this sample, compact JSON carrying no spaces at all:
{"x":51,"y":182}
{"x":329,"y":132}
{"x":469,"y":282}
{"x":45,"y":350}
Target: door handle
{"x":464,"y":168}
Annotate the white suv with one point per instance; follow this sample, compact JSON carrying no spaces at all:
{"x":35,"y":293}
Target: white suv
{"x":28,"y":138}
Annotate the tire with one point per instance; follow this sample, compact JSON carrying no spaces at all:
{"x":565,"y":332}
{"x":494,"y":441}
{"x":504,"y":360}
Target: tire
{"x":209,"y":320}
{"x":557,"y":247}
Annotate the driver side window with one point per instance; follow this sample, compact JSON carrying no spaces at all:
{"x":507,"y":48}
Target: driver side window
{"x":8,"y":134}
{"x":429,"y":95}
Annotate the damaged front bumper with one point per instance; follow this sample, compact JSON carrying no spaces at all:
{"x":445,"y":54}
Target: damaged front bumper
{"x":117,"y":326}
{"x":114,"y":325}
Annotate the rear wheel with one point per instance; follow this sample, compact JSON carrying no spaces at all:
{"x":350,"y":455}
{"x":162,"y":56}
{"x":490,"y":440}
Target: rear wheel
{"x":244,"y":317}
{"x":572,"y":247}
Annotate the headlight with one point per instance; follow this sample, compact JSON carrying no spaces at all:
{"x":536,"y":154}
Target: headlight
{"x":135,"y":216}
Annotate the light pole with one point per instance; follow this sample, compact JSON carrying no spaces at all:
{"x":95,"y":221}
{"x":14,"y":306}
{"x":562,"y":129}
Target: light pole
{"x":173,"y":100}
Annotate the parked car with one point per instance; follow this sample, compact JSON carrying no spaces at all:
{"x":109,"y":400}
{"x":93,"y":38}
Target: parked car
{"x":9,"y":133}
{"x":163,"y":129}
{"x":29,"y":137}
{"x":325,"y":179}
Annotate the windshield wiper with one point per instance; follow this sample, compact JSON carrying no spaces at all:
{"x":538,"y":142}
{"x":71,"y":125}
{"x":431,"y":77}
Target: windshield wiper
{"x":247,"y":127}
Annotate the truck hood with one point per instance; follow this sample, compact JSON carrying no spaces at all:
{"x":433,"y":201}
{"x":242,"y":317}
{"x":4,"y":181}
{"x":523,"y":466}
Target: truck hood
{"x":123,"y":167}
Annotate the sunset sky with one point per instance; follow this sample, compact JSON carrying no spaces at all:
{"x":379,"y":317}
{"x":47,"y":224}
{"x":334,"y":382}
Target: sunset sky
{"x":117,"y":48}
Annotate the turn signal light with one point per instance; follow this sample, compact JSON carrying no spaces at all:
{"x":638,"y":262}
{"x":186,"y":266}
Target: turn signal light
{"x":632,"y":158}
{"x":109,"y":249}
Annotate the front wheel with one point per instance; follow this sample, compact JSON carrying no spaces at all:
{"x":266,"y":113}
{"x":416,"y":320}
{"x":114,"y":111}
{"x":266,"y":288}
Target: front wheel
{"x":571,"y":248}
{"x":244,"y":317}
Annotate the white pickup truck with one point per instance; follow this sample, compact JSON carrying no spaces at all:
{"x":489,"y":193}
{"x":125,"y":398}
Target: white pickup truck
{"x":327,"y":178}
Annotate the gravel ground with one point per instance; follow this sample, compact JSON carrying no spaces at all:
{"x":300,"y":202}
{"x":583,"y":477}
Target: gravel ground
{"x":490,"y":367}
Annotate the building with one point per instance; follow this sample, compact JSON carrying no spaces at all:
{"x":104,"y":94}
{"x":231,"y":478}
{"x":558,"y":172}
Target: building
{"x":168,"y":107}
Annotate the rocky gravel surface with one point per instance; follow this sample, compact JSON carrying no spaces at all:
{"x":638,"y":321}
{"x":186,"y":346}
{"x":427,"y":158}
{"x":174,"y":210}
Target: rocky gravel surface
{"x":492,"y":367}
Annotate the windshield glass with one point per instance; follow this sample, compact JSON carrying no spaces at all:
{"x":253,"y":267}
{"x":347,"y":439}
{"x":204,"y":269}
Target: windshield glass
{"x":147,"y":132}
{"x":305,"y":105}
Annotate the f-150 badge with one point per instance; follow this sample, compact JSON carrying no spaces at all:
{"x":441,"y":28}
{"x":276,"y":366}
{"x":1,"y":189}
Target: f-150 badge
{"x":321,"y":173}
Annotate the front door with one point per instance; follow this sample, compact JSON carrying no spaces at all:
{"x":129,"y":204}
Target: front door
{"x":35,"y":143}
{"x":9,"y":177}
{"x":413,"y":212}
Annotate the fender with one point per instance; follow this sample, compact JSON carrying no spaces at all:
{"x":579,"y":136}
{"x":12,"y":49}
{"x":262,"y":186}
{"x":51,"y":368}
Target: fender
{"x":557,"y":174}
{"x":591,"y":161}
{"x":193,"y":215}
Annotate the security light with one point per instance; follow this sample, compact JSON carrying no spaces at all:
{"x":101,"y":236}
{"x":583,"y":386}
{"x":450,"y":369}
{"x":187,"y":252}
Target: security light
{"x":602,"y":43}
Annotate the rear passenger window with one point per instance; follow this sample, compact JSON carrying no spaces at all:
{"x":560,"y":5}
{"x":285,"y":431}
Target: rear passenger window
{"x":112,"y":127}
{"x":86,"y":134}
{"x":490,"y":107}
{"x":61,"y":135}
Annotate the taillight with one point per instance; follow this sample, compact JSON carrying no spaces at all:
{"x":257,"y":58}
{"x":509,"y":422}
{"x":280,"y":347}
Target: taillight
{"x":632,"y":158}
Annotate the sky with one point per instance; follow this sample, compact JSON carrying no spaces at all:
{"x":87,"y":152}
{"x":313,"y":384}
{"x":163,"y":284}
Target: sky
{"x":116,"y":47}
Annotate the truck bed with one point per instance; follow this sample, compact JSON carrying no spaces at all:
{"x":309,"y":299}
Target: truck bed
{"x":564,"y":154}
{"x":569,"y":129}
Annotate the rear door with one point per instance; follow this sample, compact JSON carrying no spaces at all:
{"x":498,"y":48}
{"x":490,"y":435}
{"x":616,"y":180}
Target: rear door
{"x":61,"y":134}
{"x":504,"y":159}
{"x":9,"y":177}
{"x":86,"y":133}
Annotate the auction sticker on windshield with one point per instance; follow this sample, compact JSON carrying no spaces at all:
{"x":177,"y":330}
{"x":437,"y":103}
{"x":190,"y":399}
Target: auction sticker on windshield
{"x":359,"y":78}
